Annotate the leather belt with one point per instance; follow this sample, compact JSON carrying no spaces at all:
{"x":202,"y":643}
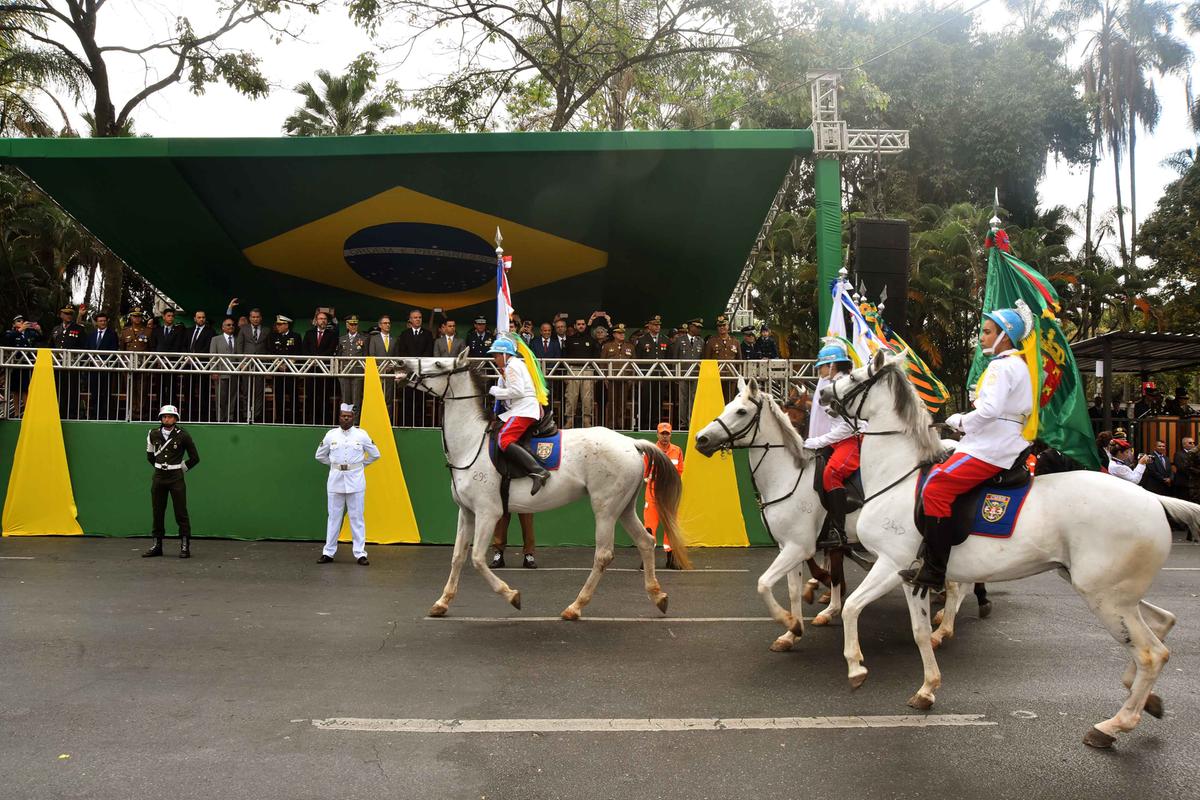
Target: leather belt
{"x":168,"y":466}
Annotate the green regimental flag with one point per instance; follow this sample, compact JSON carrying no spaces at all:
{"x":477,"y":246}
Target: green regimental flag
{"x":1059,"y":416}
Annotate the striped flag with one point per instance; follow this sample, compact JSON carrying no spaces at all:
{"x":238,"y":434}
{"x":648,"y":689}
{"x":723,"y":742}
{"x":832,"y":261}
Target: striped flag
{"x":504,"y":306}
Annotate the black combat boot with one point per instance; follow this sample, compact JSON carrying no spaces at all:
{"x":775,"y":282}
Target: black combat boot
{"x":518,"y":455}
{"x":939,"y":537}
{"x":156,"y":551}
{"x":185,"y":546}
{"x":835,"y":531}
{"x":670,"y":563}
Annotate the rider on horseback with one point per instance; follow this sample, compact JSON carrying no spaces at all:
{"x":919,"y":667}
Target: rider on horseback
{"x":824,"y":431}
{"x":516,"y":391}
{"x":993,"y":438}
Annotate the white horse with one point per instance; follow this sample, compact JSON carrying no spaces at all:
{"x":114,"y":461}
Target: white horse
{"x":1106,"y":536}
{"x":597,"y":462}
{"x":781,"y":469}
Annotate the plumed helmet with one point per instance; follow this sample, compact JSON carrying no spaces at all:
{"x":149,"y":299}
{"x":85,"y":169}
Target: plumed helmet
{"x":831,"y":353}
{"x":1016,"y":323}
{"x":503,"y":345}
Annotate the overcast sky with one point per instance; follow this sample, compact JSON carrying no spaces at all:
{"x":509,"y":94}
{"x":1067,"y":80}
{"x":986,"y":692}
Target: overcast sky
{"x":330,"y":41}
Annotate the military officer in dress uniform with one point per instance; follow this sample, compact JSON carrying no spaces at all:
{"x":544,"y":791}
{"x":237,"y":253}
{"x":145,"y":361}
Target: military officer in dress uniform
{"x":479,"y":340}
{"x":166,"y":447}
{"x":352,"y":344}
{"x":135,"y":338}
{"x":67,"y":335}
{"x":283,"y":341}
{"x":619,"y":392}
{"x":723,"y":347}
{"x":651,"y":345}
{"x":687,"y":346}
{"x":767,"y":346}
{"x":749,"y":345}
{"x":347,"y":450}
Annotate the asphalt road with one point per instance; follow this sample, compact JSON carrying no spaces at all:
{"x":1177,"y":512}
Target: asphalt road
{"x":123,"y":677}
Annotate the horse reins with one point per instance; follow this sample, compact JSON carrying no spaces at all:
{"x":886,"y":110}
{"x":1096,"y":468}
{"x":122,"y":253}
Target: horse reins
{"x":420,"y":379}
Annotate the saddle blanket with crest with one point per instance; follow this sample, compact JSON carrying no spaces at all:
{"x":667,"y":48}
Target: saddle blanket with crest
{"x":987,"y":510}
{"x":546,"y":449}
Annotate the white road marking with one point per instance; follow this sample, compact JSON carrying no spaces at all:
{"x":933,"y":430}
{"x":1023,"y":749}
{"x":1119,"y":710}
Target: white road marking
{"x":1181,"y":569}
{"x":645,"y":725}
{"x":618,"y":569}
{"x":606,"y":619}
{"x":17,"y":558}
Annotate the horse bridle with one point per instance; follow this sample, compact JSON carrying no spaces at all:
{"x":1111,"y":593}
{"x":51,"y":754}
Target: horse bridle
{"x":418,"y":379}
{"x":751,"y":428}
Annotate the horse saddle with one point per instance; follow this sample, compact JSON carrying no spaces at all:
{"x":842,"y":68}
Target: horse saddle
{"x":991,"y":508}
{"x":543,"y":441}
{"x":854,"y":487}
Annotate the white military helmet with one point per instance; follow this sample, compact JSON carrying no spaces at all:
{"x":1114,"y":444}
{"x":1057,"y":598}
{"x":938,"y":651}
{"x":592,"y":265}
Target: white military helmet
{"x":168,"y":409}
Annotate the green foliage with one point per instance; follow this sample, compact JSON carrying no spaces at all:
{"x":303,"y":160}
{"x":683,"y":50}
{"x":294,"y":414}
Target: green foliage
{"x":344,"y":105}
{"x":1171,"y":236}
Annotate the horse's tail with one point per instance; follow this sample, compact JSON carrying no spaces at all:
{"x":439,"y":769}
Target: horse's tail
{"x":1181,"y":512}
{"x":668,"y":488}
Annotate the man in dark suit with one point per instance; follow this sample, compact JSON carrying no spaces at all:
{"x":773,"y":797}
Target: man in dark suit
{"x":200,"y":336}
{"x":383,"y":344}
{"x":416,"y":341}
{"x":1158,"y":472}
{"x":198,"y":339}
{"x":448,"y":344}
{"x":252,"y":339}
{"x":545,"y":344}
{"x":169,"y":337}
{"x":321,"y":340}
{"x":99,"y":383}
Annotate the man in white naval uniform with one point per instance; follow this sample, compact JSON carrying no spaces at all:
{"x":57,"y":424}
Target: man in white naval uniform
{"x":347,"y":450}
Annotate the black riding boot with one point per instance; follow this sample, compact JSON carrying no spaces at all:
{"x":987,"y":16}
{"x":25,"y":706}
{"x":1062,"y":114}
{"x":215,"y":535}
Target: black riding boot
{"x":834,"y":534}
{"x":185,"y":546}
{"x":524,"y":459}
{"x":939,"y":537}
{"x":156,"y":551}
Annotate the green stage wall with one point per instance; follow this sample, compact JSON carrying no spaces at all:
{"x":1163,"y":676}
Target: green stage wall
{"x":262,"y":482}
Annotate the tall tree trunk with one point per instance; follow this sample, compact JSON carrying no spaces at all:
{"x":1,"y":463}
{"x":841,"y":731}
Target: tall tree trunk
{"x":1120,"y":207}
{"x":112,"y":279}
{"x":1091,"y":197}
{"x":1132,"y":187}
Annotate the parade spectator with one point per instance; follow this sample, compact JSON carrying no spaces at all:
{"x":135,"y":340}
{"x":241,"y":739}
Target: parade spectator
{"x":1096,"y":409}
{"x":1150,"y":404}
{"x":651,"y":345}
{"x":1158,"y":470}
{"x":1120,"y":459}
{"x":201,"y":335}
{"x":767,"y":346}
{"x":252,"y":340}
{"x":527,"y":330}
{"x":1179,"y":468}
{"x":580,"y":389}
{"x":102,"y":338}
{"x":23,"y":333}
{"x":479,"y":340}
{"x":749,"y":345}
{"x":384,"y":345}
{"x":561,"y":333}
{"x":169,"y":337}
{"x":618,"y":394}
{"x":67,"y":334}
{"x":545,"y":345}
{"x":500,"y":540}
{"x":347,"y":451}
{"x":687,"y":346}
{"x":320,"y":340}
{"x":1178,"y":405}
{"x":721,"y":345}
{"x":352,"y":344}
{"x":1103,"y":438}
{"x":224,"y":344}
{"x":284,"y":341}
{"x":448,"y":343}
{"x":416,"y":341}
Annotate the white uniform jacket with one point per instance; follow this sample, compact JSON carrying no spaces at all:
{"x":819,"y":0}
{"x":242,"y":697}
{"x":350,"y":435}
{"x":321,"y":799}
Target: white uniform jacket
{"x":825,"y":429}
{"x":347,"y":453}
{"x":1005,"y":401}
{"x":1122,"y":470}
{"x":516,"y":391}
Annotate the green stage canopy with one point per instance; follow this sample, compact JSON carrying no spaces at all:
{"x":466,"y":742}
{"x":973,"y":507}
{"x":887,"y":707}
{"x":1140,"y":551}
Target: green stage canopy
{"x":636,"y":223}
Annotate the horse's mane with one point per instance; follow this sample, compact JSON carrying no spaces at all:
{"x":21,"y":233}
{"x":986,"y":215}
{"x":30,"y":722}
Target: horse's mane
{"x":914,"y":417}
{"x":792,"y":439}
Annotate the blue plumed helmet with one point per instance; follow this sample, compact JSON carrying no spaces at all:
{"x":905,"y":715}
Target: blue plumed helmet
{"x":503,"y":345}
{"x":1016,"y":323}
{"x":831,"y":353}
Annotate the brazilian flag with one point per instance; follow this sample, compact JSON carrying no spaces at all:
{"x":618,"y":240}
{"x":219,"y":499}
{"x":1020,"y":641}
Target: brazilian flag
{"x":1059,"y":416}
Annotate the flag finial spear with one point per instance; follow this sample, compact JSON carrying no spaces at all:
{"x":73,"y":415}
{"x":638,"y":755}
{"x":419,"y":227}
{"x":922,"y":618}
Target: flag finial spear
{"x":499,"y":242}
{"x":995,"y":220}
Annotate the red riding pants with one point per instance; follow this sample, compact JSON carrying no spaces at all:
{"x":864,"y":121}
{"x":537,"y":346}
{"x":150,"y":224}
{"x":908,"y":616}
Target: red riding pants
{"x":842,"y":463}
{"x":953,"y":477}
{"x":513,"y":430}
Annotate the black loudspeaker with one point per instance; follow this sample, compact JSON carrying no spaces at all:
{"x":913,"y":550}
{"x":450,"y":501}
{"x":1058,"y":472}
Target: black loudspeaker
{"x":881,"y":259}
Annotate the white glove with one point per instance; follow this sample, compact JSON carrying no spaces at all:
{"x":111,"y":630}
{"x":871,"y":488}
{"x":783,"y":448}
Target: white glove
{"x":495,"y":391}
{"x":955,"y":421}
{"x":810,"y":444}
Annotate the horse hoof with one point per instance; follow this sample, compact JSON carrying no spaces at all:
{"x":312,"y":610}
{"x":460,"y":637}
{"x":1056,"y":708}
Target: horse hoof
{"x":809,"y":592}
{"x":937,"y":618}
{"x":781,"y":645}
{"x":938,"y":641}
{"x":820,"y":620}
{"x":824,"y":599}
{"x":515,"y":600}
{"x":858,"y":680}
{"x":985,"y":609}
{"x":661,"y":602}
{"x":1098,"y":739}
{"x":570,"y":614}
{"x":920,"y":702}
{"x":1154,"y":706}
{"x":438,"y":610}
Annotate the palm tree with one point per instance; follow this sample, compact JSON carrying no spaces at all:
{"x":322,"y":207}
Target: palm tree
{"x":342,"y":105}
{"x":1096,"y":73}
{"x":1149,"y":45}
{"x":28,"y":71}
